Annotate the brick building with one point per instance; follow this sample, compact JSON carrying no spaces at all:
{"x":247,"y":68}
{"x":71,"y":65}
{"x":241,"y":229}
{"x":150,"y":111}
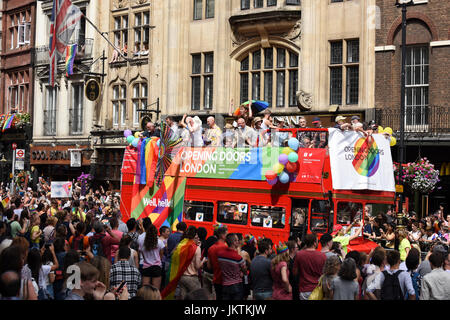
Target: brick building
{"x":427,"y":120}
{"x":16,"y":84}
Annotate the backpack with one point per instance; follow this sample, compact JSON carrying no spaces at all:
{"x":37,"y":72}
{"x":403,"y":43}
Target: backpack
{"x":97,"y":246}
{"x":391,"y":290}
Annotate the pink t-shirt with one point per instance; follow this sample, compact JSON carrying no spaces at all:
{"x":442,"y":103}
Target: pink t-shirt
{"x":309,"y":265}
{"x":115,"y":247}
{"x":151,"y":257}
{"x":279,"y":288}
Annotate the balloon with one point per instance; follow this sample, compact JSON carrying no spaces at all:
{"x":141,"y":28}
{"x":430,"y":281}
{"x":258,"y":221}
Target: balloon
{"x":127,"y":132}
{"x":293,"y":144}
{"x":286,"y":150}
{"x":380,"y":129}
{"x":130,"y":138}
{"x":270,"y":175}
{"x":388,"y":130}
{"x":283,"y":159}
{"x":284,"y":177}
{"x":278,"y":168}
{"x":135,"y":142}
{"x":136,"y":134}
{"x":273,"y":181}
{"x":291,"y":166}
{"x":393,"y":141}
{"x":293,"y":157}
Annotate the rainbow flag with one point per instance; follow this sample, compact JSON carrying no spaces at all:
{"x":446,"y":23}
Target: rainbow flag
{"x":8,"y":122}
{"x":5,"y":202}
{"x":181,"y":258}
{"x":71,"y":51}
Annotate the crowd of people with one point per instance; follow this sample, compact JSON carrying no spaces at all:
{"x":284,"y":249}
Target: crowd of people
{"x":43,"y":240}
{"x":249,"y":131}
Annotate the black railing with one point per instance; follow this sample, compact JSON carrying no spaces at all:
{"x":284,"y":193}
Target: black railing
{"x":425,"y":120}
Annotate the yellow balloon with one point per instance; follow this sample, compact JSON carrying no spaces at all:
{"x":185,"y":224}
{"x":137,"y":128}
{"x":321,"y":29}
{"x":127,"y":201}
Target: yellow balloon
{"x":393,"y":141}
{"x":136,"y":134}
{"x":278,"y":168}
{"x":388,"y":130}
{"x":287,"y":150}
{"x":380,"y":129}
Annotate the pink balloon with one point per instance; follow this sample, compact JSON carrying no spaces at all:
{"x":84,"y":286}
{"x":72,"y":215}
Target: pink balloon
{"x":270,"y":175}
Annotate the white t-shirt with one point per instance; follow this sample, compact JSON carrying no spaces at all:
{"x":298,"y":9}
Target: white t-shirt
{"x":18,"y":212}
{"x":150,"y":257}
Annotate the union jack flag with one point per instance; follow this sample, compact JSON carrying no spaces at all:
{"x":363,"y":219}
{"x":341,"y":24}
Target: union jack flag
{"x":65,"y":19}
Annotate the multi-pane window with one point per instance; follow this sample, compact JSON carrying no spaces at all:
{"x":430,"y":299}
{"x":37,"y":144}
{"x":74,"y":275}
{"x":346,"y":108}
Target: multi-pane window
{"x":209,"y":6}
{"x":417,"y":85}
{"x":270,"y":74}
{"x":50,"y":110}
{"x":141,"y":32}
{"x":119,"y":102}
{"x":294,"y":2}
{"x":271,"y":3}
{"x":258,"y":3}
{"x":76,"y":109}
{"x":121,"y":32}
{"x":344,"y":68}
{"x":20,"y":29}
{"x":140,"y":100}
{"x":18,"y":91}
{"x":245,"y":4}
{"x":202,"y":95}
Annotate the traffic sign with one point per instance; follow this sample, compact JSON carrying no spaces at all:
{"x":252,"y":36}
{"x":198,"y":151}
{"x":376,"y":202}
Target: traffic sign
{"x":20,"y":154}
{"x":14,"y":146}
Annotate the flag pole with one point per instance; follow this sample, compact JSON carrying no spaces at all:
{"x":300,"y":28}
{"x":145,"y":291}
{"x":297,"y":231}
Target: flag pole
{"x":107,"y":40}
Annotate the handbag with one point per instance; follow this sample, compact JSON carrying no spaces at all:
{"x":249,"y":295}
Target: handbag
{"x":317,"y":293}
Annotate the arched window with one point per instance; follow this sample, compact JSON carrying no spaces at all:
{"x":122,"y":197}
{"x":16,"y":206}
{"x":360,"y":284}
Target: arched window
{"x":270,"y":74}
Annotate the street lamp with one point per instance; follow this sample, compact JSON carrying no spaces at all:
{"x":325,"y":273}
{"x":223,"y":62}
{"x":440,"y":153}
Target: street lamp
{"x":401,"y":147}
{"x":3,"y":162}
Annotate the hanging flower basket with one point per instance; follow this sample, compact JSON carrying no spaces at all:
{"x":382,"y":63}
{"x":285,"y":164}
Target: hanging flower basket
{"x":420,"y":175}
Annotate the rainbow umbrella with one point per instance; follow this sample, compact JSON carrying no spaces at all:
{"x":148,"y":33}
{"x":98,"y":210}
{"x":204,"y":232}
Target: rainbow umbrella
{"x":257,"y":106}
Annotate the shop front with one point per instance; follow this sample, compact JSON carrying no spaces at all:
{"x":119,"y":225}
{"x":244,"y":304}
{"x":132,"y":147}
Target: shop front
{"x":61,"y":162}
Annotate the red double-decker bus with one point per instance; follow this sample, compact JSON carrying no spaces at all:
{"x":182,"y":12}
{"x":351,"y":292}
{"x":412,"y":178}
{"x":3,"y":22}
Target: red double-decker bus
{"x":280,"y":211}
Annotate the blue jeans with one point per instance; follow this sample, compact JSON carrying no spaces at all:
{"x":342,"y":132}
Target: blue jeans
{"x":262,"y":295}
{"x":233,"y":292}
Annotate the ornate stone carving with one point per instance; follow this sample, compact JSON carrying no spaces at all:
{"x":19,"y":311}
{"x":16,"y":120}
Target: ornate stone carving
{"x":139,"y":2}
{"x":237,"y":39}
{"x":120,"y":4}
{"x":304,"y":100}
{"x":294,"y":33}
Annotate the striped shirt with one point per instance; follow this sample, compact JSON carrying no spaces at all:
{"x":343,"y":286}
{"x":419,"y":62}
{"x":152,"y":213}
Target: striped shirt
{"x":230,"y":263}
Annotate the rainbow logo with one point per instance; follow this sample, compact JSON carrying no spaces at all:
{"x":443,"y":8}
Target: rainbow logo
{"x":367,"y":157}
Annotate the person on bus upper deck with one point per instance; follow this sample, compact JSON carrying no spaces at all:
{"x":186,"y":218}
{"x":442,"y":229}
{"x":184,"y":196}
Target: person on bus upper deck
{"x":174,"y":126}
{"x":259,"y":135}
{"x":341,"y":124}
{"x":279,"y":138}
{"x":151,"y":130}
{"x":319,"y":139}
{"x":308,"y":265}
{"x":242,"y":134}
{"x":301,"y":135}
{"x":213,"y":134}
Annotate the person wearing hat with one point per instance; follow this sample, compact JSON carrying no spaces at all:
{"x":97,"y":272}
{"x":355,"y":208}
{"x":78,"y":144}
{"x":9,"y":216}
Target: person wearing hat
{"x":279,"y":137}
{"x":282,"y":289}
{"x":258,"y":136}
{"x":357,"y":125}
{"x":319,"y":139}
{"x":341,"y":124}
{"x":340,"y":234}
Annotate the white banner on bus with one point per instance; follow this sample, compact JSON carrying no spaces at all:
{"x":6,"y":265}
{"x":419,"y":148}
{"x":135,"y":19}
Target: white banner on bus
{"x":360,"y":163}
{"x":61,"y":189}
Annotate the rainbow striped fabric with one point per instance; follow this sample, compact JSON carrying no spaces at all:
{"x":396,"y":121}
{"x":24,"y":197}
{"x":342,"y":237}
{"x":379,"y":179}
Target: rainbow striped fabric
{"x":71,"y":52}
{"x":5,"y":202}
{"x":8,"y":122}
{"x":181,"y":258}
